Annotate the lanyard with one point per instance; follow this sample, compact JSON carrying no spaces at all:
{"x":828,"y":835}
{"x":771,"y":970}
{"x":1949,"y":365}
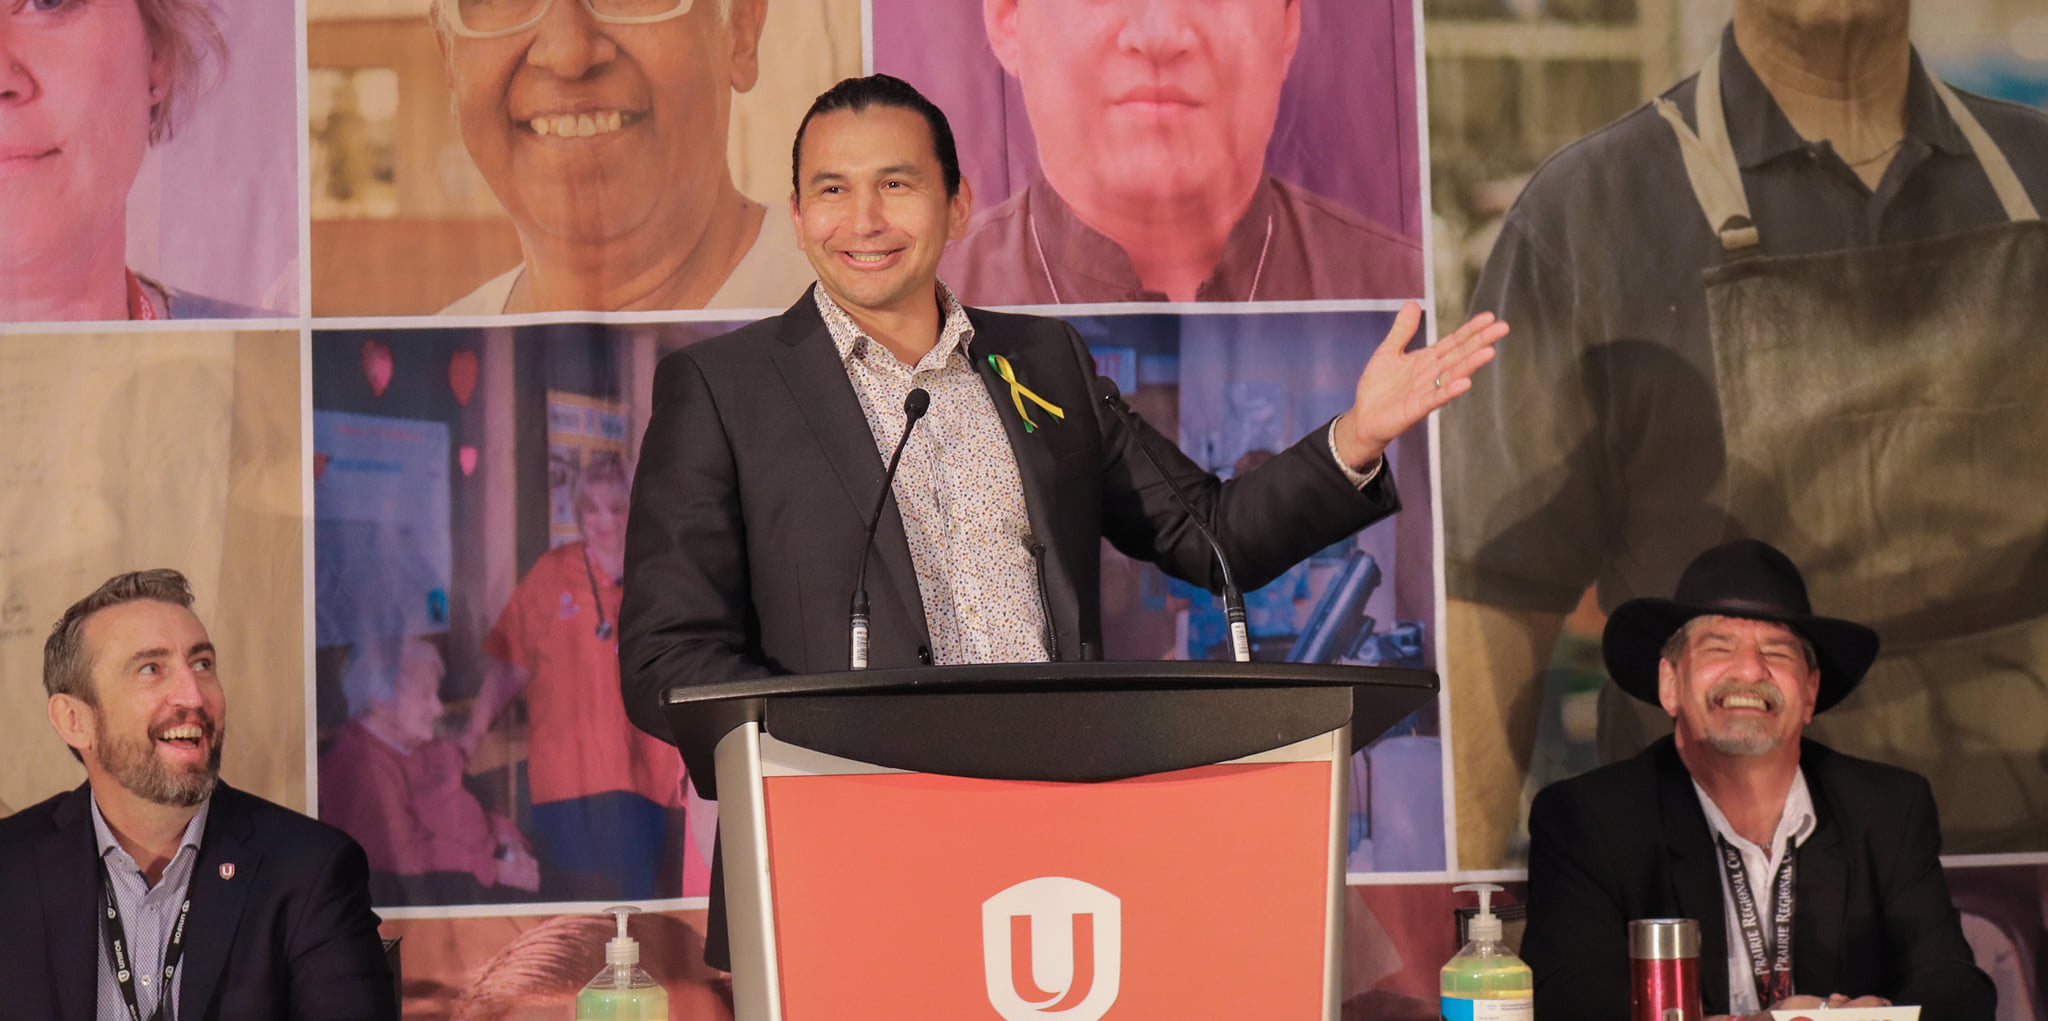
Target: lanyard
{"x":118,"y":948}
{"x":604,"y":627}
{"x":1773,"y":980}
{"x":139,"y":305}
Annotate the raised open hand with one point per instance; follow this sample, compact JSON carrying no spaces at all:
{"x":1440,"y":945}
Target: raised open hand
{"x":1400,"y":388}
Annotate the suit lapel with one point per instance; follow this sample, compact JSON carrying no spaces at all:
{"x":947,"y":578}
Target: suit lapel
{"x":1821,"y":889}
{"x":810,"y":367}
{"x":1695,"y":872}
{"x":69,"y":881}
{"x":1037,"y":469}
{"x":218,"y":893}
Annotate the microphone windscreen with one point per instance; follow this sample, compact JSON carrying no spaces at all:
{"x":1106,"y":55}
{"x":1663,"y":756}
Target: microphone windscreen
{"x":1106,"y":391}
{"x":916,"y":403}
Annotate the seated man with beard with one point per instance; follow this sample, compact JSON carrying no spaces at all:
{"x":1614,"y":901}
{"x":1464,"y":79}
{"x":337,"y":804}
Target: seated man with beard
{"x":1815,"y":877}
{"x":154,"y":880}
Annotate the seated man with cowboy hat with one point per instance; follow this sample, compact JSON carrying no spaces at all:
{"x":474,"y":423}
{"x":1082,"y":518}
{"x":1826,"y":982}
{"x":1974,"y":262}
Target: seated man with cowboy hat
{"x":1814,"y":876}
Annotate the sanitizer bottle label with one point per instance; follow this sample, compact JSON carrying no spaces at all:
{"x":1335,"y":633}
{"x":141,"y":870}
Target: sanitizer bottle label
{"x":1456,"y":1009}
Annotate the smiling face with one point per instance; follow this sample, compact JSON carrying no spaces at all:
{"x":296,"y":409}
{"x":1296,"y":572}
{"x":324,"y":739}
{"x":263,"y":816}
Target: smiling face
{"x":1126,"y":96}
{"x":587,"y":131}
{"x":601,"y":517}
{"x":871,"y":208}
{"x":159,"y":714}
{"x":1740,"y":687}
{"x":75,"y":79}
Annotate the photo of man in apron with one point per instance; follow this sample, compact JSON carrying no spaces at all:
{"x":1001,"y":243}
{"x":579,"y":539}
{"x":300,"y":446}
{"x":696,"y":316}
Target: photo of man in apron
{"x":1795,"y":298}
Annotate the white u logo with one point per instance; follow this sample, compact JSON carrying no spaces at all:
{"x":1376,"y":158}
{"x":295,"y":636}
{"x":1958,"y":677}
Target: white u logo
{"x":1052,"y":950}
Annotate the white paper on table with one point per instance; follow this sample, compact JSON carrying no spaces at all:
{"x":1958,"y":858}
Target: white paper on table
{"x":1894,"y":1013}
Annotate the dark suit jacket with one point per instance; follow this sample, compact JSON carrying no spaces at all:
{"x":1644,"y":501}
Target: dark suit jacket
{"x":758,"y":472}
{"x":1872,"y":914}
{"x":291,"y":935}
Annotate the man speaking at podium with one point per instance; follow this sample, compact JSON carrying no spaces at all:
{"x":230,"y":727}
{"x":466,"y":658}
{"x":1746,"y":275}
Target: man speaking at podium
{"x":763,"y":462}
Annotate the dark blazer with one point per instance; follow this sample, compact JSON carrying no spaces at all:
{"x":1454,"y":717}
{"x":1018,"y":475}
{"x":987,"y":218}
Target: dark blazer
{"x":1872,"y":913}
{"x":758,"y":471}
{"x":291,"y":935}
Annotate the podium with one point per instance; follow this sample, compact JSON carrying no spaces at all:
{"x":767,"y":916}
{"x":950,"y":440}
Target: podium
{"x":1050,"y":841}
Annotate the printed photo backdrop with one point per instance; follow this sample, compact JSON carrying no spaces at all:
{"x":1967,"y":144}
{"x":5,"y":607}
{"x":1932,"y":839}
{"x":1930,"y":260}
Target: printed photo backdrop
{"x":125,"y":451}
{"x":450,"y":462}
{"x":1638,"y":418}
{"x":1094,"y":141}
{"x":430,"y":179}
{"x":193,"y":188}
{"x":401,"y":520}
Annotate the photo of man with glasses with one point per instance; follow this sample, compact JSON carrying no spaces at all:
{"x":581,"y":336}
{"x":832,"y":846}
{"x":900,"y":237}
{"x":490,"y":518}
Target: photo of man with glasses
{"x":601,"y":127}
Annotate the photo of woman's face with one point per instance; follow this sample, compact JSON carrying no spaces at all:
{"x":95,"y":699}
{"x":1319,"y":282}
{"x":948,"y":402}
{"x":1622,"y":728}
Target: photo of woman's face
{"x":75,"y":78}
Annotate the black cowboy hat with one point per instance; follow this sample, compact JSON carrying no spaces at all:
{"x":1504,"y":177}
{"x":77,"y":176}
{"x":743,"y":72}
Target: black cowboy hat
{"x":1749,"y":579}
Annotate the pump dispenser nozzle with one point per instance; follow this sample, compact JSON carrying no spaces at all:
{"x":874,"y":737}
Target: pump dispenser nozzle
{"x":624,"y":951}
{"x":1485,"y":925}
{"x":622,"y":991}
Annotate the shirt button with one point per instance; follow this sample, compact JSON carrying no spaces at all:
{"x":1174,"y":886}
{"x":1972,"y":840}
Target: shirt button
{"x":145,"y":980}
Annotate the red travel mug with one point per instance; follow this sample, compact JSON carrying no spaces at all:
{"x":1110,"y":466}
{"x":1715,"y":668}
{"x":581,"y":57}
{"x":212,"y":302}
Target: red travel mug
{"x":1664,"y":969}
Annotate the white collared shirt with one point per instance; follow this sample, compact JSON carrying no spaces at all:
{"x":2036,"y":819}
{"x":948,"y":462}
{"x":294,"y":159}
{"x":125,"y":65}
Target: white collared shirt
{"x":958,"y":491}
{"x":148,"y":914}
{"x":1795,"y":824}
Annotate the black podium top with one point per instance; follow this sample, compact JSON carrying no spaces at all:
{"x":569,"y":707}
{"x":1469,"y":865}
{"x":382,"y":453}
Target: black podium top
{"x":1088,"y":721}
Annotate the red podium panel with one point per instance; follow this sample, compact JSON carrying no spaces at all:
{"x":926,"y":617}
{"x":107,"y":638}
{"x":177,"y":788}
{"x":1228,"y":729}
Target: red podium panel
{"x":1036,"y":841}
{"x":892,"y":904}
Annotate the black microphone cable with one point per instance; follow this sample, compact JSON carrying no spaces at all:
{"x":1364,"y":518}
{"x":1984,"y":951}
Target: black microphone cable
{"x":1233,"y":598}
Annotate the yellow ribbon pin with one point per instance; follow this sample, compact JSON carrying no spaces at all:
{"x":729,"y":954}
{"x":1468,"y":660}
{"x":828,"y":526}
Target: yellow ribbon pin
{"x":1018,"y":392}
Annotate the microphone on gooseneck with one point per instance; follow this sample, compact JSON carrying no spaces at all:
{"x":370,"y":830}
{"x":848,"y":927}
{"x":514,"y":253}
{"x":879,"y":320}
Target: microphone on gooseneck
{"x":1233,"y":598}
{"x":914,"y":407}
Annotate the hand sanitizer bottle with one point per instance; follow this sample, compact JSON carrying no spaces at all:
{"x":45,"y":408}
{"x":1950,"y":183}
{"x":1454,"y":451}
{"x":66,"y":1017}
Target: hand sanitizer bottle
{"x":622,"y":991}
{"x":1486,"y":981}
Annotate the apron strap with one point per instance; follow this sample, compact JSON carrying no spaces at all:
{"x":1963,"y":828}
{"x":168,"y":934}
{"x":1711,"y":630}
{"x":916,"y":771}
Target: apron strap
{"x":2018,"y":207}
{"x":1710,"y":160}
{"x":1717,"y":179}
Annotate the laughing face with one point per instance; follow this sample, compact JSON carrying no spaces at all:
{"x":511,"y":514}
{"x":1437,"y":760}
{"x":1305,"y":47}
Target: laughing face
{"x":1741,"y":687}
{"x":160,"y":714}
{"x":588,"y":131}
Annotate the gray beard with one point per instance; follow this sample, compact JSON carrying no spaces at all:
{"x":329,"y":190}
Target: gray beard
{"x":134,"y":765}
{"x":1747,"y":737}
{"x":1745,"y":743}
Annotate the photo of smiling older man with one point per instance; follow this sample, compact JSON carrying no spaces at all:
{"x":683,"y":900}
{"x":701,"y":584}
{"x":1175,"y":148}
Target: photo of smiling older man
{"x":1173,"y":150}
{"x":563,"y":155}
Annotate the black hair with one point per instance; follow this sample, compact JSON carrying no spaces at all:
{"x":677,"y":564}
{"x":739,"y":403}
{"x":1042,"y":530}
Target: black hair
{"x":857,"y":94}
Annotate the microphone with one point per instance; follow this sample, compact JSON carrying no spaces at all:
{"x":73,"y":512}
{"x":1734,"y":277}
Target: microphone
{"x":915,"y":404}
{"x":1233,"y":598}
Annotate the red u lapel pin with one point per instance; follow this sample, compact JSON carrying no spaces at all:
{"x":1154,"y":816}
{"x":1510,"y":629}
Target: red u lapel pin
{"x":227,"y":871}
